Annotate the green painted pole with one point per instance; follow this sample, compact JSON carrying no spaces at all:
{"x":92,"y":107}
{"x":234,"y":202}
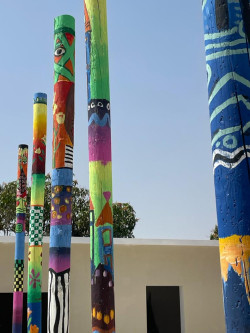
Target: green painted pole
{"x":100,"y":168}
{"x":34,"y":300}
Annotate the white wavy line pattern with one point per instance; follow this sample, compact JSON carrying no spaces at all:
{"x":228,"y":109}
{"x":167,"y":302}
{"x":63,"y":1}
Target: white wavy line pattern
{"x":229,"y":165}
{"x":228,"y":154}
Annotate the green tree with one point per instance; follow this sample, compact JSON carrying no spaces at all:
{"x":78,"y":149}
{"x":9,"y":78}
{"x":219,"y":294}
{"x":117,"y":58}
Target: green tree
{"x":7,"y":207}
{"x":125,"y":220}
{"x":80,"y":210}
{"x":124,"y":215}
{"x":214,"y":234}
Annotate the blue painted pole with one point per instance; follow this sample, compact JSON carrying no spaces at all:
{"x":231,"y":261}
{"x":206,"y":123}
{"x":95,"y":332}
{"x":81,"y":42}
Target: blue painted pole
{"x":227,"y":36}
{"x":21,"y":197}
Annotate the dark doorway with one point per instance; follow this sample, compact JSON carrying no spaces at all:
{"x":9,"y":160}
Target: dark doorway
{"x":6,"y":300}
{"x":163,"y":310}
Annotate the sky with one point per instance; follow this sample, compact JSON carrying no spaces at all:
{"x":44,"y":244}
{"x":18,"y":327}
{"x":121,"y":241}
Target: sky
{"x":161,"y":151}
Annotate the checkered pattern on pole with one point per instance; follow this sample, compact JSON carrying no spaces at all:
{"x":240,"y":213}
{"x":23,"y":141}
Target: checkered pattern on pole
{"x":36,"y":226}
{"x":18,"y":275}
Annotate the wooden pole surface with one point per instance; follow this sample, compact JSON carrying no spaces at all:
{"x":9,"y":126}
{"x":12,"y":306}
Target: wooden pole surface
{"x":227,"y":36}
{"x":62,"y":174}
{"x":21,"y":202}
{"x":100,"y":168}
{"x":34,"y":285}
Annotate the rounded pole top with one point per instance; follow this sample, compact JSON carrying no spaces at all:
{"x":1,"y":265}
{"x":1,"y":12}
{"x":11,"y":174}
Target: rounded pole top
{"x":64,"y":23}
{"x":40,"y":98}
{"x":23,"y":146}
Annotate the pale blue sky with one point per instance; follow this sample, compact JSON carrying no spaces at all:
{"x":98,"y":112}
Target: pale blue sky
{"x":160,"y":125}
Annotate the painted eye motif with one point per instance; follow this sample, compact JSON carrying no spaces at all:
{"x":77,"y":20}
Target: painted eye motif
{"x":92,"y":105}
{"x":108,"y":106}
{"x":100,"y":104}
{"x":60,"y":51}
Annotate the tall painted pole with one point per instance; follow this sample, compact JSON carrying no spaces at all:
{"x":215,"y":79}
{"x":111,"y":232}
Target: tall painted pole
{"x":62,"y":174}
{"x":227,"y":36}
{"x":100,"y":167}
{"x":34,"y":305}
{"x":20,"y":238}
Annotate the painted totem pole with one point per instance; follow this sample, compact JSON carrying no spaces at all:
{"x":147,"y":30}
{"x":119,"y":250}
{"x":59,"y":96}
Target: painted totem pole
{"x":20,"y":238}
{"x":34,"y":306}
{"x":100,"y":168}
{"x":62,"y":174}
{"x":227,"y":36}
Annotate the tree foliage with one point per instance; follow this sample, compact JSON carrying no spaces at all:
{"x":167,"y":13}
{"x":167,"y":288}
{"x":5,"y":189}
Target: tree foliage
{"x":124,"y":220}
{"x":124,"y":215}
{"x":7,"y":207}
{"x":214,"y":234}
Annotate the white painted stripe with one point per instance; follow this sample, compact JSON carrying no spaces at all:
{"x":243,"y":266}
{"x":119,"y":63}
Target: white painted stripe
{"x":225,"y":79}
{"x":66,"y":310}
{"x":230,"y":165}
{"x":230,"y":101}
{"x":60,"y":309}
{"x":49,"y":297}
{"x":204,"y":4}
{"x":52,"y":303}
{"x":225,"y":53}
{"x":225,"y":44}
{"x":221,"y":34}
{"x":68,"y":158}
{"x":227,"y":153}
{"x":68,"y":165}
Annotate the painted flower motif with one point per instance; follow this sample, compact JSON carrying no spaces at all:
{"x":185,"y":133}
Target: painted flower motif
{"x":38,"y":151}
{"x":112,"y":314}
{"x":57,"y":201}
{"x":34,"y":279}
{"x":63,"y":209}
{"x":34,"y":329}
{"x":60,"y":118}
{"x":43,"y":139}
{"x":106,"y":319}
{"x":54,"y":214}
{"x":99,"y":315}
{"x":28,"y":313}
{"x":54,"y":104}
{"x":58,"y":189}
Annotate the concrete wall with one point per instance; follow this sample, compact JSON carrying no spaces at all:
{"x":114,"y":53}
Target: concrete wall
{"x":192,"y":265}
